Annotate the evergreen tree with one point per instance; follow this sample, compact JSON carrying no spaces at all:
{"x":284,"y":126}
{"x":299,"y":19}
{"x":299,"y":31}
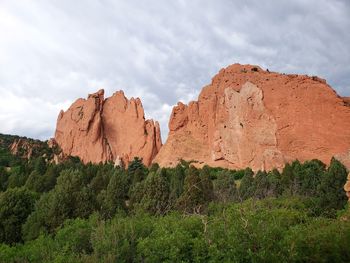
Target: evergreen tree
{"x":115,"y":195}
{"x":331,"y":192}
{"x":177,"y":179}
{"x":225,"y":187}
{"x":155,"y":199}
{"x":260,"y":185}
{"x":311,"y":174}
{"x":287,"y":179}
{"x":35,"y":182}
{"x":4,"y":176}
{"x":154,"y":168}
{"x":137,"y":171}
{"x":274,"y":183}
{"x":246,"y":188}
{"x":40,"y":165}
{"x":50,"y":177}
{"x":69,"y":199}
{"x":192,"y":199}
{"x":15,"y":206}
{"x":136,"y":164}
{"x":101,"y":180}
{"x":206,"y":185}
{"x":296,"y":186}
{"x":17,"y":177}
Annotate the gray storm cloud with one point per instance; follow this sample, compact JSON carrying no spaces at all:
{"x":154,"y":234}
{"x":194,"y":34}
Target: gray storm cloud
{"x":52,"y":52}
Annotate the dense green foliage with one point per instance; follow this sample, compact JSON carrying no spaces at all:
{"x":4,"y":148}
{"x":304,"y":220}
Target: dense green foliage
{"x":73,"y":212}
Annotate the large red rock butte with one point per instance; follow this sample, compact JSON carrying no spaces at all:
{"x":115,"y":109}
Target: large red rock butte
{"x":112,"y":129}
{"x":249,"y":117}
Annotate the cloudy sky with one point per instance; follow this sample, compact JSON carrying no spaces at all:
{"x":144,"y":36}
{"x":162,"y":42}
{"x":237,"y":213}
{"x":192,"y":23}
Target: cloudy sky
{"x":52,"y":52}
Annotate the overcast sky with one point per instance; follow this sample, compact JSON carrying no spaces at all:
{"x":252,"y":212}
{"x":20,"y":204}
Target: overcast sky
{"x":52,"y":52}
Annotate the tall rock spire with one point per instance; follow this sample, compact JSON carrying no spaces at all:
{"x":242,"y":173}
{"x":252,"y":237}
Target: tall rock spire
{"x":99,"y":130}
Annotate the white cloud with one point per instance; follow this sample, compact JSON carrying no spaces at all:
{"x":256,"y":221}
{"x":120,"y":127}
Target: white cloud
{"x":52,"y":52}
{"x":37,"y":116}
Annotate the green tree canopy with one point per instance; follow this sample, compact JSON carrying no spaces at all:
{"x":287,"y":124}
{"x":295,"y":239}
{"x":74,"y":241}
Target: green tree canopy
{"x":15,"y":206}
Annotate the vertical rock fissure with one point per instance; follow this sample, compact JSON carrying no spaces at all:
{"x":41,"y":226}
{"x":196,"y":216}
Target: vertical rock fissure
{"x":107,"y":128}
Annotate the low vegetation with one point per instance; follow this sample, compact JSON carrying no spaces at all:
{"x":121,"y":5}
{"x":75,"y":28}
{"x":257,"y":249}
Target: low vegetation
{"x":73,"y":212}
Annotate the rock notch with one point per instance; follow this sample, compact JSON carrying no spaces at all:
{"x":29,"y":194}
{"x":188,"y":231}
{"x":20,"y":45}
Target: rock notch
{"x":249,"y":117}
{"x":112,"y":129}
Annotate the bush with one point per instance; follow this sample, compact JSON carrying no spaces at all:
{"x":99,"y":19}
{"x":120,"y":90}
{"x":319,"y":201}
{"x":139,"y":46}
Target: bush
{"x":116,"y":240}
{"x":320,"y":240}
{"x":69,"y":199}
{"x":174,"y":239}
{"x":15,"y":206}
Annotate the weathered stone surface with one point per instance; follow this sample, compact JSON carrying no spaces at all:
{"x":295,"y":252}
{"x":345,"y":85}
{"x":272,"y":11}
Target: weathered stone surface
{"x":22,"y":147}
{"x":347,"y":187}
{"x":249,"y":117}
{"x":112,"y":129}
{"x":28,"y":148}
{"x":347,"y":100}
{"x":57,"y":155}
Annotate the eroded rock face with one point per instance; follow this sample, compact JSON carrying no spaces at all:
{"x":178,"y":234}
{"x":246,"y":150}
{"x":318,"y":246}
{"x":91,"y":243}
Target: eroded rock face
{"x":112,"y":129}
{"x":23,"y":148}
{"x":249,"y":135}
{"x":347,"y":187}
{"x":346,"y":100}
{"x":248,"y":117}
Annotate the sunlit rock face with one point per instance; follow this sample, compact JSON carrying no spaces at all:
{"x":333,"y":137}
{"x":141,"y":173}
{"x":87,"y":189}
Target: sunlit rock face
{"x":113,"y":129}
{"x":249,"y":117}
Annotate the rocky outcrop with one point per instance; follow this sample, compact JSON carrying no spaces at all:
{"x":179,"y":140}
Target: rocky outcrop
{"x":113,"y":129}
{"x":347,"y":187}
{"x":22,"y":147}
{"x":249,"y":117}
{"x":346,"y":100}
{"x":28,"y":148}
{"x":57,"y":155}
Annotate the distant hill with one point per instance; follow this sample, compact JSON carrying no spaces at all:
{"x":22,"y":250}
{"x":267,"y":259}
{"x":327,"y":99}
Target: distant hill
{"x":27,"y":148}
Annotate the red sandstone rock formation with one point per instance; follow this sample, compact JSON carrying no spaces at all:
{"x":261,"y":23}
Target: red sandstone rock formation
{"x":113,"y":129}
{"x":22,"y":147}
{"x":347,"y":100}
{"x":57,"y":155}
{"x":347,"y":187}
{"x":248,"y":117}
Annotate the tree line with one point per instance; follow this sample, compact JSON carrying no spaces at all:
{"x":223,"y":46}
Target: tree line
{"x":79,"y":212}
